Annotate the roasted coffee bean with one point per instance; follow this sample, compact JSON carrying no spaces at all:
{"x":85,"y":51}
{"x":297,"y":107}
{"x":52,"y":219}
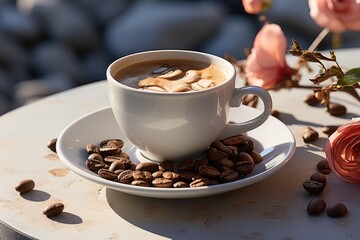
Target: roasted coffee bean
{"x":52,"y":144}
{"x":180,"y":184}
{"x":275,"y":113}
{"x":217,"y":145}
{"x":231,"y":151}
{"x":162,"y":182}
{"x":110,"y":159}
{"x":213,"y":155}
{"x":256,"y":157}
{"x":142,"y":175}
{"x":158,"y":174}
{"x":228,"y":175}
{"x":171,"y":175}
{"x":244,"y":157}
{"x":140,"y":183}
{"x":209,"y":172}
{"x":166,"y":166}
{"x":213,"y":182}
{"x":318,"y":177}
{"x":107,"y":174}
{"x":96,"y":156}
{"x":336,"y":109}
{"x":330,"y":129}
{"x":323,"y":167}
{"x":234,"y":140}
{"x":243,"y":167}
{"x":316,"y":207}
{"x":246,"y":146}
{"x":186,"y":165}
{"x":133,"y":166}
{"x":187,"y":176}
{"x":123,"y":155}
{"x":25,"y":186}
{"x":148,"y":166}
{"x":95,"y":165}
{"x":117,"y":172}
{"x":116,"y":143}
{"x":200,"y":182}
{"x":117,"y":165}
{"x":126,"y":177}
{"x":338,"y":210}
{"x":313,"y":187}
{"x":53,"y":209}
{"x":311,"y":100}
{"x":199,"y":163}
{"x":109,"y":151}
{"x":91,"y":148}
{"x":310,"y":135}
{"x":225,"y":164}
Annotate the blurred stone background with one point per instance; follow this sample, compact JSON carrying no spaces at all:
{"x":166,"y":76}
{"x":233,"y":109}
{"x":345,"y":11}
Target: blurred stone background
{"x":48,"y":46}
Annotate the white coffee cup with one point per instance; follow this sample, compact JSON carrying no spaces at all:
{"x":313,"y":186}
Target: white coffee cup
{"x":175,"y":126}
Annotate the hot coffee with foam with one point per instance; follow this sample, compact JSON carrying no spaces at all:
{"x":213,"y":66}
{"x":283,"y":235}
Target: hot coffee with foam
{"x":171,"y":76}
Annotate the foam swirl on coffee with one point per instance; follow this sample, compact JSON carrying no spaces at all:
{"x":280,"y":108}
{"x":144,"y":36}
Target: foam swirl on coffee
{"x":172,"y":76}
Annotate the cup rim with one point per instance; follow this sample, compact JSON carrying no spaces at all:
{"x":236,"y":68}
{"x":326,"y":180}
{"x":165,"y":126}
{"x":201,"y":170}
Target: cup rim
{"x":228,"y":74}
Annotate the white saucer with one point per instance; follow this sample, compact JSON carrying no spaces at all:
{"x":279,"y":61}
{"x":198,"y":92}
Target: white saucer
{"x":273,"y":139}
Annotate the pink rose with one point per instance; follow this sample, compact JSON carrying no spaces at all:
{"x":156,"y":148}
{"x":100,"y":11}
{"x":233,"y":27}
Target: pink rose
{"x":266,"y":66}
{"x":336,"y":15}
{"x":253,"y":6}
{"x":343,"y":151}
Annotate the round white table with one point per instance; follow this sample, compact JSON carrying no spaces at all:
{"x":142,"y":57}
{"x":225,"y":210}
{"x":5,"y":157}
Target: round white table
{"x":274,"y":208}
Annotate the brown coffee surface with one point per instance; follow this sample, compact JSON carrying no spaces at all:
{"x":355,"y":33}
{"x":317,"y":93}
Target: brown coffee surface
{"x":171,"y":76}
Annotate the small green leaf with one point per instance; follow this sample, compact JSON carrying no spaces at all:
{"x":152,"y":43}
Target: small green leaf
{"x":350,"y":78}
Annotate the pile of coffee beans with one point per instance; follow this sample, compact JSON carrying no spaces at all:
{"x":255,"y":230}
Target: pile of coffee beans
{"x":225,"y":161}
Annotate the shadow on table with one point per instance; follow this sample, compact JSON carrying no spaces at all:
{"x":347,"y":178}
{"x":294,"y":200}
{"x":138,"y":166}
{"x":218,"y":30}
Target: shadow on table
{"x":289,"y":119}
{"x":36,"y":196}
{"x":211,"y":217}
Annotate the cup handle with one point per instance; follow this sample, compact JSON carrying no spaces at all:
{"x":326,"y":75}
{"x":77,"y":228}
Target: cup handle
{"x":233,"y":128}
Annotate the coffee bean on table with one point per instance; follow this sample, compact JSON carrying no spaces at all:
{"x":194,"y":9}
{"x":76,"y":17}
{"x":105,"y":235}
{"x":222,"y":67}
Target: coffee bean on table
{"x":52,"y":144}
{"x":25,"y":186}
{"x":336,"y":109}
{"x":310,"y":135}
{"x":313,"y":187}
{"x":329,"y":129}
{"x":337,"y":210}
{"x":316,"y":207}
{"x":318,"y":177}
{"x":311,"y":100}
{"x":323,"y":167}
{"x":53,"y":209}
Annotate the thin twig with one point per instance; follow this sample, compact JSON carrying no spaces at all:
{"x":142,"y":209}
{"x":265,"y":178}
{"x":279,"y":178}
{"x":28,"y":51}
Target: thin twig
{"x":318,"y":39}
